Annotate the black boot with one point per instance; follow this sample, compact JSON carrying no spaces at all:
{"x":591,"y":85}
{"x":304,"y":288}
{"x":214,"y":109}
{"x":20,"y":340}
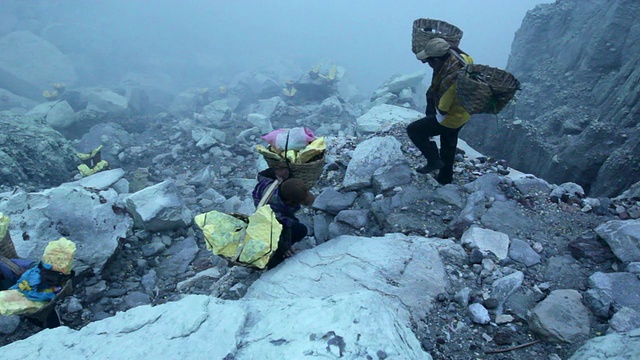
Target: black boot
{"x":431,"y":166}
{"x":444,"y":179}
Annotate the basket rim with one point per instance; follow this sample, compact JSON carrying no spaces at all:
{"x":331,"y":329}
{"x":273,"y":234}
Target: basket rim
{"x":321,"y":159}
{"x":442,"y":29}
{"x":506,"y":80}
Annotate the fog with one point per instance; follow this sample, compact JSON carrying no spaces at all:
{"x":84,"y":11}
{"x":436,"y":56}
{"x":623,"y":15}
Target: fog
{"x":205,"y":43}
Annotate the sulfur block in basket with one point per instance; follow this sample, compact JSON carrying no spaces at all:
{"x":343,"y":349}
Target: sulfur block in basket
{"x":60,"y":254}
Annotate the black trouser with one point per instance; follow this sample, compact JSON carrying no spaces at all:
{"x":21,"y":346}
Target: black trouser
{"x":421,"y":130}
{"x":288,"y":237}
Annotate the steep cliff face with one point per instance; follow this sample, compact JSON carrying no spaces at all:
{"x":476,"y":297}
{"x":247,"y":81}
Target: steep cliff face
{"x":577,"y":117}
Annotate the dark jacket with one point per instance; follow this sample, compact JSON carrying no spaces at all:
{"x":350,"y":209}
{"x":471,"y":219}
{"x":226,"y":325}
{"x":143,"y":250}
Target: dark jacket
{"x":7,"y":277}
{"x":284,"y":213}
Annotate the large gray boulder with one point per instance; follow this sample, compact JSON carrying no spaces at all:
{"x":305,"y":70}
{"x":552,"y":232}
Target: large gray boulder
{"x":626,"y":319}
{"x":407,"y":271}
{"x":398,"y":83}
{"x":102,"y":180}
{"x":404,"y":90}
{"x":575,"y":118}
{"x":32,"y":154}
{"x":41,"y":109}
{"x":107,"y":101}
{"x":112,"y":136}
{"x":614,"y":346}
{"x":269,"y":107}
{"x":622,"y":287}
{"x":383,"y":117}
{"x":60,"y":116}
{"x":251,"y":85}
{"x":82,"y":215}
{"x":333,"y":201}
{"x":487,"y":241}
{"x":29,"y":65}
{"x":217,"y":114}
{"x":561,"y":317}
{"x":158,"y":207}
{"x":623,"y":237}
{"x":346,"y":326}
{"x":378,"y":162}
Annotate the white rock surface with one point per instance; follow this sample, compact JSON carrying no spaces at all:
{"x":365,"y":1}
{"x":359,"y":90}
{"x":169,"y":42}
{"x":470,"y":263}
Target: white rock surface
{"x":101,"y":180}
{"x":623,"y":236}
{"x":383,"y":117}
{"x":348,"y":326}
{"x":614,"y":346}
{"x":410,"y":278}
{"x":158,"y":207}
{"x":479,"y":314}
{"x":83,"y":216}
{"x":60,"y":116}
{"x":262,"y":122}
{"x":106,"y":100}
{"x":373,"y":156}
{"x":487,"y":241}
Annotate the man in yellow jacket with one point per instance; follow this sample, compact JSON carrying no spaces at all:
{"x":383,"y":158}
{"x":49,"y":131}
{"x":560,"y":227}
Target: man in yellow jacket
{"x":445,"y":116}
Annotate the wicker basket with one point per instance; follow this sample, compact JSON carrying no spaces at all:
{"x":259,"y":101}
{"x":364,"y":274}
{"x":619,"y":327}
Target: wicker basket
{"x":42,"y":315}
{"x":308,"y":172}
{"x":483,"y":89}
{"x":427,"y":29}
{"x":6,"y":247}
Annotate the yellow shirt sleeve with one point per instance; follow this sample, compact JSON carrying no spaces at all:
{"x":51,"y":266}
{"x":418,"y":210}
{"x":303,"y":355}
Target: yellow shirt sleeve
{"x":447,"y":100}
{"x":456,"y":115}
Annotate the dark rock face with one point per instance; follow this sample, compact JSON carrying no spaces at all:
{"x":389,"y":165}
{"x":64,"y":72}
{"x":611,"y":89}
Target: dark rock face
{"x":576,"y":118}
{"x":588,"y":246}
{"x":33,"y":154}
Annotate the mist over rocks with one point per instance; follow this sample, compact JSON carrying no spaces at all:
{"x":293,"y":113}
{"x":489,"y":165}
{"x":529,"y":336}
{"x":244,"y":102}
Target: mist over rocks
{"x":396,"y":266}
{"x":29,"y":65}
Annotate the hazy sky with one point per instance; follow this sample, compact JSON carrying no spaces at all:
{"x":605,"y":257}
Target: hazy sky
{"x":370,"y":38}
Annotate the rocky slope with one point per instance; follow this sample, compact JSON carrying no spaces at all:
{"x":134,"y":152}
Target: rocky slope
{"x":554,"y":247}
{"x":576,"y":118}
{"x":499,"y":262}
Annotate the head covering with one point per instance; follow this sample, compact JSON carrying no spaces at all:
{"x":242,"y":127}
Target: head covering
{"x":294,"y":191}
{"x":435,"y":47}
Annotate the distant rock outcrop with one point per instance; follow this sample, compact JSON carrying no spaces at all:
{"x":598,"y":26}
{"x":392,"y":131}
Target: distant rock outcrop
{"x":32,"y":153}
{"x":30,"y":65}
{"x":577,"y":114}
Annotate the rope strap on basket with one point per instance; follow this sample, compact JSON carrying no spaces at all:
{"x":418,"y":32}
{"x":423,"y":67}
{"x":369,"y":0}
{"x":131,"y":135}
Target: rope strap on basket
{"x":11,"y":265}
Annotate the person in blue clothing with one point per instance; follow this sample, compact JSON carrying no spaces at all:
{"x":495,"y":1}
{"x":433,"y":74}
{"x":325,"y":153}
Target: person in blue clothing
{"x":286,"y":201}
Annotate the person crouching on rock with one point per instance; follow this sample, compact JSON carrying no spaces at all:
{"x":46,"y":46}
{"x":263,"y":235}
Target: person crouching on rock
{"x":286,"y":200}
{"x":445,"y":117}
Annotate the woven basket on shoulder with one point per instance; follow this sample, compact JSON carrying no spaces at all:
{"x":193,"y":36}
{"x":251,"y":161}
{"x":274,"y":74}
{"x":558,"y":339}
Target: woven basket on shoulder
{"x":427,"y":29}
{"x":483,"y":89}
{"x":7,"y":249}
{"x":308,"y":172}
